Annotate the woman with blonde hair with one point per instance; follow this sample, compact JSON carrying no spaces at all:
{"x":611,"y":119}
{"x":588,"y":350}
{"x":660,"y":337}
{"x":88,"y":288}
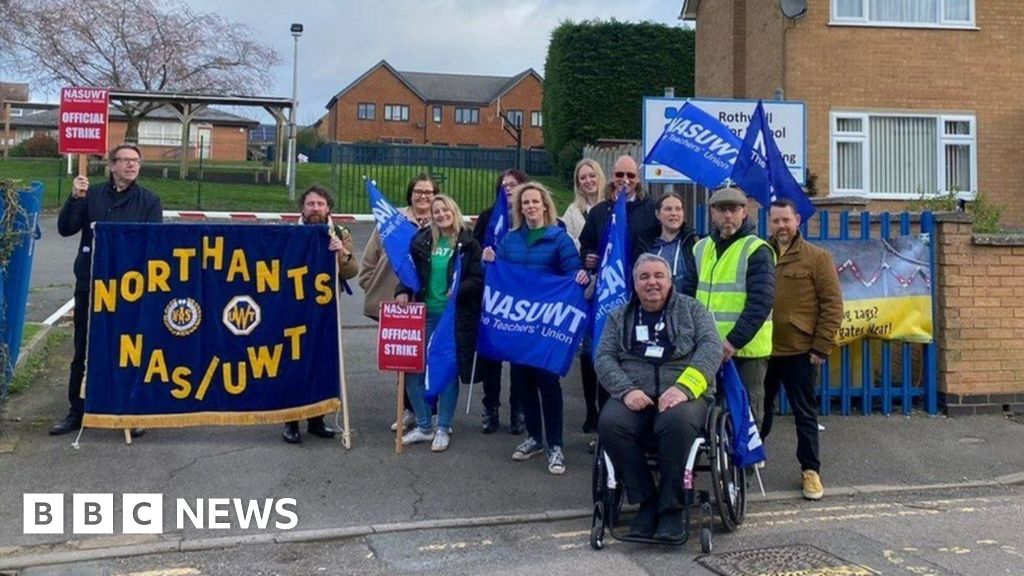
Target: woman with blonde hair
{"x":434,"y":250}
{"x":537,"y":242}
{"x":588,"y":181}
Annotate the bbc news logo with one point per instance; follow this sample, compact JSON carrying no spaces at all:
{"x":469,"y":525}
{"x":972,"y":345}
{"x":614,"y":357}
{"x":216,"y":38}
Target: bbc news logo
{"x":144,"y":514}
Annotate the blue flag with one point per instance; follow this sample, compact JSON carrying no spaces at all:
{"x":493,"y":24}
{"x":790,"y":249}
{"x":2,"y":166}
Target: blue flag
{"x":531,"y":318}
{"x":613,"y":279}
{"x":396,"y":234}
{"x":698,"y":145}
{"x":747,"y":448}
{"x":761,"y":171}
{"x":498,"y":225}
{"x":442,"y":359}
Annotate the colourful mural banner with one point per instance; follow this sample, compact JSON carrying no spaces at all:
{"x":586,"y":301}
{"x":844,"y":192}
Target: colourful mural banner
{"x":211,"y":325}
{"x":887,"y":288}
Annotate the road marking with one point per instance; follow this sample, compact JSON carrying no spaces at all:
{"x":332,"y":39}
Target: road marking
{"x":167,"y":572}
{"x":60,"y":313}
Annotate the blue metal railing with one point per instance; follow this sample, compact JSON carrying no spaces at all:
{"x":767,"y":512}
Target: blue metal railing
{"x":861,"y":387}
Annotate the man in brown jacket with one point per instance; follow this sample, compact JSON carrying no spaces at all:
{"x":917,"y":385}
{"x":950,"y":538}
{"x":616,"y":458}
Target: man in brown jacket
{"x":807,"y":316}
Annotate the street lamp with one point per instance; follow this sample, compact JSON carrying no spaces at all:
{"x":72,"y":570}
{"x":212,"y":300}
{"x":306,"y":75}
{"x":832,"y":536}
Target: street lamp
{"x":296,"y":32}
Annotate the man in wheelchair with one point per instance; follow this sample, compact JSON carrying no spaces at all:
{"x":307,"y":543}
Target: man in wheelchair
{"x":657,"y":358}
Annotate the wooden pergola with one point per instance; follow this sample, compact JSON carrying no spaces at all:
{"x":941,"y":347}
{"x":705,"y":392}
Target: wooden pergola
{"x":186,"y":106}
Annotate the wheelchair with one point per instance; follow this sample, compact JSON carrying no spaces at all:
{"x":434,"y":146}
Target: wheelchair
{"x":711,"y":452}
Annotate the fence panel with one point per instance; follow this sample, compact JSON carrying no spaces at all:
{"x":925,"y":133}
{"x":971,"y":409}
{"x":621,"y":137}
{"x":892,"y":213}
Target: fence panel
{"x":877,"y":373}
{"x":468,"y":175}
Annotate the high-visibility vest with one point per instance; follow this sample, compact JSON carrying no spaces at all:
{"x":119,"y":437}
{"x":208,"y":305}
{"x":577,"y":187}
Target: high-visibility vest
{"x":722,"y":288}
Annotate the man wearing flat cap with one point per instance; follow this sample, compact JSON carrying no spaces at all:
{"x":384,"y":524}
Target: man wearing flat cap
{"x":736,"y":282}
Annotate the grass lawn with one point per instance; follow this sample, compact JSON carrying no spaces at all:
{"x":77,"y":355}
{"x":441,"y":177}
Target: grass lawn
{"x":472,"y":189}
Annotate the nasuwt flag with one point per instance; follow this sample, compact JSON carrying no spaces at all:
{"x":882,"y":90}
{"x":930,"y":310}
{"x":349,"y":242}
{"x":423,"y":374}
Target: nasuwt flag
{"x":698,"y":145}
{"x":497,"y":227}
{"x":442,"y":357}
{"x":747,"y":448}
{"x":396,"y":232}
{"x":614,"y":281}
{"x":531,"y":317}
{"x":200,"y":324}
{"x":760,"y":170}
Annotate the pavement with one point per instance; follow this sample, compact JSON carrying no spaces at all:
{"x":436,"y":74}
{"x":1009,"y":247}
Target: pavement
{"x":369,"y":489}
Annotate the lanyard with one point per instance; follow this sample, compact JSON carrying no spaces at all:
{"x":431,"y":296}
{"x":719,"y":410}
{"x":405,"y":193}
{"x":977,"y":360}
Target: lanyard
{"x":658,"y":326}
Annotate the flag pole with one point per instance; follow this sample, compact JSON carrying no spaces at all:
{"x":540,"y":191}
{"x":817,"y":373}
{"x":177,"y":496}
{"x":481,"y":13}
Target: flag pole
{"x":346,"y":434}
{"x":472,"y":379}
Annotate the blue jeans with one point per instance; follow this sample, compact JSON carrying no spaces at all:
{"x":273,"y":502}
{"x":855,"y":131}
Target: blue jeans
{"x":415,"y":388}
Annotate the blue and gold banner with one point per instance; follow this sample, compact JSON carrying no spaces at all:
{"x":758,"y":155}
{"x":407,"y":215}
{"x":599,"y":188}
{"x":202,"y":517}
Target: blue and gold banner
{"x":211,"y":324}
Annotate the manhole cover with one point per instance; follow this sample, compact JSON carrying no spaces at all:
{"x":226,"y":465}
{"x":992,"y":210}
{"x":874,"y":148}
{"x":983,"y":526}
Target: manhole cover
{"x":798,"y":560}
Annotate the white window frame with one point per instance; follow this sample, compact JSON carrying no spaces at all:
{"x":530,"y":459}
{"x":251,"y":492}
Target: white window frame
{"x":866,"y":20}
{"x":536,"y":119}
{"x":437,"y":113}
{"x":515,"y":117}
{"x":864,"y":138}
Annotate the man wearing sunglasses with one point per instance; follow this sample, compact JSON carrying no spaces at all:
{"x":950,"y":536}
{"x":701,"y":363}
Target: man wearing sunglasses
{"x":640,"y":212}
{"x":119,"y":199}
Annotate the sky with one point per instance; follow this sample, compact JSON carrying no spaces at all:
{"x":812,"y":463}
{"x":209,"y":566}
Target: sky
{"x":344,"y":38}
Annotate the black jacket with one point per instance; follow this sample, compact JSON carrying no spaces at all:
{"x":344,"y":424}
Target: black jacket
{"x":103,"y":203}
{"x":471,"y":291}
{"x":642,"y":222}
{"x":760,"y":286}
{"x":684,"y":273}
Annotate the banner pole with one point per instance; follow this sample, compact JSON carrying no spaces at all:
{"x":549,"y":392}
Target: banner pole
{"x":83,"y":167}
{"x":346,"y":435}
{"x":400,"y":404}
{"x":472,"y":379}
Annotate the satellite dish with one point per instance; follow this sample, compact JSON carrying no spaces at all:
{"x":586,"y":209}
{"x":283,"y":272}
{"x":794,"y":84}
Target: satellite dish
{"x":793,"y":9}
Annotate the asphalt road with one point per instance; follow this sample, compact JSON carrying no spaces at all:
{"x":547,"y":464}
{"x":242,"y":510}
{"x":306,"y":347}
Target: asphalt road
{"x":965,"y":532}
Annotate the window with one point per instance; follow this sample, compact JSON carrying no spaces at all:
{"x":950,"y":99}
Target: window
{"x":894,"y":156}
{"x":467,"y":115}
{"x":515,"y":117}
{"x":163,"y":134}
{"x":438,"y":114}
{"x":15,"y":112}
{"x":905,"y":13}
{"x":536,"y":119}
{"x":366,"y":111}
{"x":396,"y":113}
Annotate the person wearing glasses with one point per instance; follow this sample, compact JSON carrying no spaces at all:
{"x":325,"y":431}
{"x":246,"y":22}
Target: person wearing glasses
{"x":118,"y":199}
{"x":376,"y":276}
{"x":640,"y":213}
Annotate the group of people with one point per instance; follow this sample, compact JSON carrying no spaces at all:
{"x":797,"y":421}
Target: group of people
{"x":650,"y":378}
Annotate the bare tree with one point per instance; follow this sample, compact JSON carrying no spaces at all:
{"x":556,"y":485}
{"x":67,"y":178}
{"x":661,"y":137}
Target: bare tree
{"x":153,"y":45}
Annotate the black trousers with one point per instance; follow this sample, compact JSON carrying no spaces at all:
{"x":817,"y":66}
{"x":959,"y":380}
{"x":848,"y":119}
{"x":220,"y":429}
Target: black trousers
{"x":77,"y":371}
{"x":624,"y":435}
{"x":542,"y":404}
{"x":490,"y":371}
{"x":799,"y":377}
{"x":594,"y":395}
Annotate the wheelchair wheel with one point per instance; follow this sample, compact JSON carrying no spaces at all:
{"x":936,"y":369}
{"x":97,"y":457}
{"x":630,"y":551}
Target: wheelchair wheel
{"x":705,"y":540}
{"x":597,"y":527}
{"x":727,"y":479}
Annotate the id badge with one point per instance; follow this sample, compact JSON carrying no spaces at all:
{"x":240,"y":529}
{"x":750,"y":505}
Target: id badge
{"x":655,"y":352}
{"x":642,"y":335}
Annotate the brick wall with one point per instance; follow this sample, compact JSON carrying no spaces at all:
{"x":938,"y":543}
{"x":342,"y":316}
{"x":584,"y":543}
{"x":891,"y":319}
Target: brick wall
{"x":382,"y":87}
{"x":879,"y":69}
{"x":980,"y":320}
{"x":227,"y":144}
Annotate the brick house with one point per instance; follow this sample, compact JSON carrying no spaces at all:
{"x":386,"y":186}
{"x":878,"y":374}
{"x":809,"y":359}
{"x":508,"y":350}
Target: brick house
{"x":224,"y":136}
{"x":903,"y":98}
{"x":385,"y":105}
